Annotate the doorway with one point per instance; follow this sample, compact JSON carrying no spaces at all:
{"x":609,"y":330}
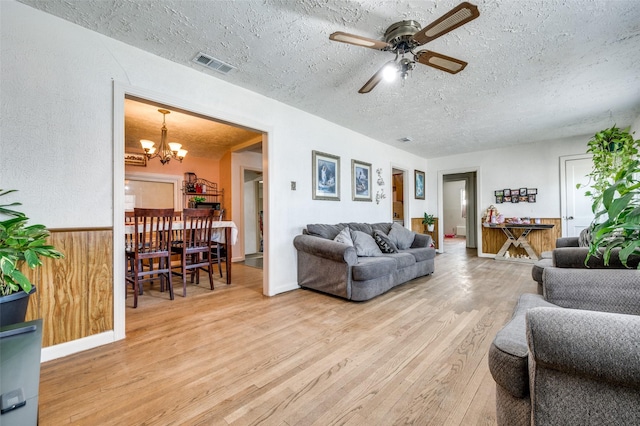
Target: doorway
{"x":229,"y":178}
{"x":253,"y":218}
{"x":459,"y":207}
{"x":398,"y":204}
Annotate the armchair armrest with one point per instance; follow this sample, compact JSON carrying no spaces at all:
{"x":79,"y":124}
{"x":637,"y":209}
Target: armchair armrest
{"x":584,"y":366}
{"x":327,"y":249}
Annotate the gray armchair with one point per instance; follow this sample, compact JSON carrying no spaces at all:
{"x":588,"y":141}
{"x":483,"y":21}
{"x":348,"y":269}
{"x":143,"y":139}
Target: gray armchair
{"x":584,"y":367}
{"x":581,"y":362}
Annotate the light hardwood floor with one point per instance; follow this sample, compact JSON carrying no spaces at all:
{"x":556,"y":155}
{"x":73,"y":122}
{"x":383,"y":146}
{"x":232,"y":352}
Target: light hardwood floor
{"x":416,"y":355}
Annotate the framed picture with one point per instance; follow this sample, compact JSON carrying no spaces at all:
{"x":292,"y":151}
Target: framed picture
{"x":523,"y":192}
{"x":523,"y":199}
{"x":419,"y":184}
{"x":499,"y":199}
{"x":133,"y":159}
{"x":507,"y":193}
{"x":532,"y":198}
{"x":515,"y":198}
{"x":515,"y":193}
{"x":326,"y":176}
{"x":360,"y":181}
{"x":507,"y":199}
{"x":532,"y":191}
{"x":498,"y":193}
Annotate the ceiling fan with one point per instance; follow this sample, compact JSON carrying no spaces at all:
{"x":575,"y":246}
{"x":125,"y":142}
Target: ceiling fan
{"x":403,"y":37}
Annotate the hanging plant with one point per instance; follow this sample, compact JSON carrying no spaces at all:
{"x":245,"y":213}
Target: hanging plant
{"x":613,"y":150}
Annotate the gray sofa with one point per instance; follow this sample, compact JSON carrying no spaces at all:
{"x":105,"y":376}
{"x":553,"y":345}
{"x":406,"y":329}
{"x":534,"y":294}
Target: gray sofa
{"x":361,"y":271}
{"x":572,"y":354}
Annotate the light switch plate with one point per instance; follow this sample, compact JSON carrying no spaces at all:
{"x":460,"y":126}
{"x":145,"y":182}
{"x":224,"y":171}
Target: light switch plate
{"x":293,"y":185}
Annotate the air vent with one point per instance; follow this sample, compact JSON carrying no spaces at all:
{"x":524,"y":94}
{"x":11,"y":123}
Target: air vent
{"x":213,"y":63}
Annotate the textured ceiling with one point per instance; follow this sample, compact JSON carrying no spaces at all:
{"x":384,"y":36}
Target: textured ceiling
{"x":200,"y":136}
{"x":537,"y":70}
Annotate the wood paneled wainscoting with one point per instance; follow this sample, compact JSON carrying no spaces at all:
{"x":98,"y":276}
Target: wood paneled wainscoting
{"x":540,"y":240}
{"x":74,"y":295}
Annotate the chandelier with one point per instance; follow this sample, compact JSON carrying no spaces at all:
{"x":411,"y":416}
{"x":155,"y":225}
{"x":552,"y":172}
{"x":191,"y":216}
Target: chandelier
{"x":166,"y":151}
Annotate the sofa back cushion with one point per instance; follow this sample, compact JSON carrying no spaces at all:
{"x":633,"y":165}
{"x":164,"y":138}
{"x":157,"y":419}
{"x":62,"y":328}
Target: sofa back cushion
{"x":325,"y":231}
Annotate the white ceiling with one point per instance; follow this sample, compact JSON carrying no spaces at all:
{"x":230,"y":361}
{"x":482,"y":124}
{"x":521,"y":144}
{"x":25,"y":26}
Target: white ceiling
{"x":538,"y":70}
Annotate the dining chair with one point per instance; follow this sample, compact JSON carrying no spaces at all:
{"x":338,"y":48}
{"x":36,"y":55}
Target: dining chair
{"x":151,"y":240}
{"x":193,"y":244}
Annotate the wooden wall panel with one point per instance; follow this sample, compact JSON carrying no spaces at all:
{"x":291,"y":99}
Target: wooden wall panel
{"x":75,"y":294}
{"x":541,"y":240}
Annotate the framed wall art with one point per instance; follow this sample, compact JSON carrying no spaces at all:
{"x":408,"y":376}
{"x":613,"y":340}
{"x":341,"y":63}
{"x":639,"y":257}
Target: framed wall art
{"x":134,"y":159}
{"x":360,"y":181}
{"x":419,"y":184}
{"x":326,"y":176}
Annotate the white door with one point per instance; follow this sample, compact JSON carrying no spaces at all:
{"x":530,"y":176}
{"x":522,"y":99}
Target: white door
{"x":575,"y":205}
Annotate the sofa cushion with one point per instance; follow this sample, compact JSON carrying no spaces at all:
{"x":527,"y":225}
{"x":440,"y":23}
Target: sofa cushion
{"x":344,"y":237}
{"x":402,"y":260}
{"x":369,"y":268}
{"x":422,"y":254}
{"x":383,"y":241}
{"x":508,"y":355}
{"x":364,"y":244}
{"x":401,"y":236}
{"x":325,"y":231}
{"x":362,"y":227}
{"x":384,"y":227}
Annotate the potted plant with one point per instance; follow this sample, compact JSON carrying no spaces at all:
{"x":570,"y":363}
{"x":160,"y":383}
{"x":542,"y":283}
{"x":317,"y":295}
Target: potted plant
{"x":617,"y":223}
{"x":193,"y":201}
{"x":19,"y":244}
{"x":430,"y":221}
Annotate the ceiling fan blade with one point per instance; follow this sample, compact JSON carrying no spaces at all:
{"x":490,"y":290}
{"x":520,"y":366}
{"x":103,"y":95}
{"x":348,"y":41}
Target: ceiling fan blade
{"x":458,"y":16}
{"x":359,"y":40}
{"x":374,"y":80}
{"x":439,"y":61}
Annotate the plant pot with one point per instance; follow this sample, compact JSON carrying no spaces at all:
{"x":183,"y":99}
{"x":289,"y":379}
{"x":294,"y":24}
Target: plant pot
{"x":430,"y":228}
{"x":13,"y":308}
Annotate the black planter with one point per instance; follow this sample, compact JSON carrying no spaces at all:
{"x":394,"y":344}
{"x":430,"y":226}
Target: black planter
{"x":13,"y":308}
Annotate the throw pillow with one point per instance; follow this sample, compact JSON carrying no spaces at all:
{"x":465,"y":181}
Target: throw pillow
{"x":584,"y":239}
{"x":401,"y":236}
{"x":364,"y":244}
{"x":383,"y":241}
{"x":344,"y":237}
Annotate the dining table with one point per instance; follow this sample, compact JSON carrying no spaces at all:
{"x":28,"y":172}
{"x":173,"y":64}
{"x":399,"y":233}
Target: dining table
{"x":224,"y":232}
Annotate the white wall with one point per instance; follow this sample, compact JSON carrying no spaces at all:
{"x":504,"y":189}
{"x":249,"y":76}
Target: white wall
{"x":58,"y":131}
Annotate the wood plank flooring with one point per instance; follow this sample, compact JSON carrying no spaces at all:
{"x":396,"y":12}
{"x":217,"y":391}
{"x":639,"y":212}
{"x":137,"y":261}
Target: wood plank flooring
{"x":416,"y":355}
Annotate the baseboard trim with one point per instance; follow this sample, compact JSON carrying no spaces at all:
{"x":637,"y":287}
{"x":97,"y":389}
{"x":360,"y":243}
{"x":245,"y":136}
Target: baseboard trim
{"x":64,"y":349}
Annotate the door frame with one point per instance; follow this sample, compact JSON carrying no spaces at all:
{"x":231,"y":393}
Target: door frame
{"x":120,"y":92}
